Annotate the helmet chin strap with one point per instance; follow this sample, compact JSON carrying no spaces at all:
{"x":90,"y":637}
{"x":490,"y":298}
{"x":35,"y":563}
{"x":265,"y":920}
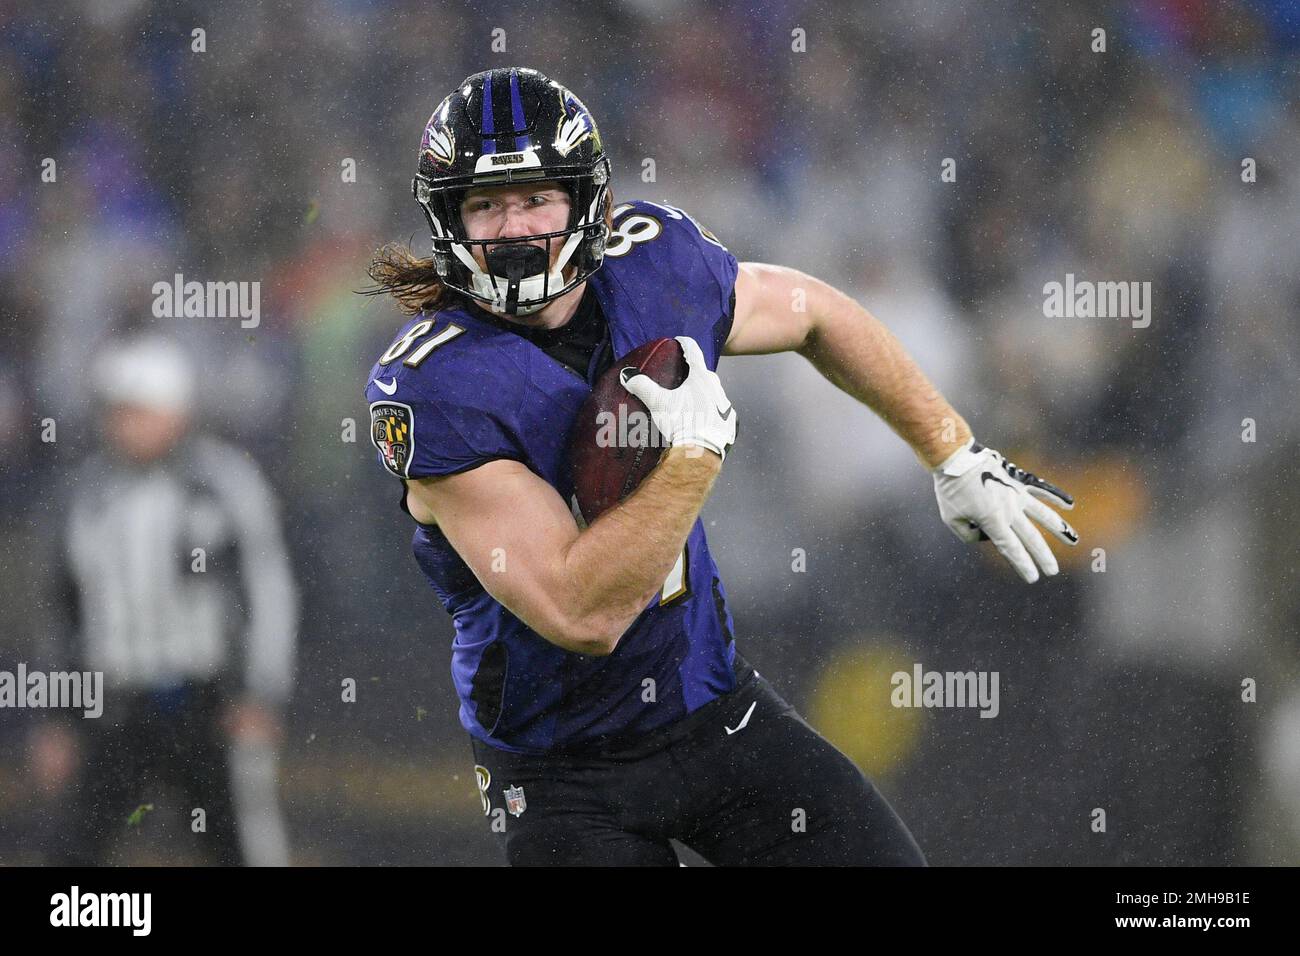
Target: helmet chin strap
{"x":526,"y":279}
{"x":516,"y":262}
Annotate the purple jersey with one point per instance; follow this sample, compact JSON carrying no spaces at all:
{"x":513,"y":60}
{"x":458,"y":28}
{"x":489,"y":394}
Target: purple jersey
{"x":455,"y":390}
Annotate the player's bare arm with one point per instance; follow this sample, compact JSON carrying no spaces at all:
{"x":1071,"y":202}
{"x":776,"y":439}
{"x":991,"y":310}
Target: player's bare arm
{"x":779,"y":309}
{"x":578,"y":589}
{"x":980,"y":494}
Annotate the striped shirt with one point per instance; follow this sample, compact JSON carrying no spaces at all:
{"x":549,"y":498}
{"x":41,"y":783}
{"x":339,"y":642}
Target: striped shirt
{"x":180,"y":572}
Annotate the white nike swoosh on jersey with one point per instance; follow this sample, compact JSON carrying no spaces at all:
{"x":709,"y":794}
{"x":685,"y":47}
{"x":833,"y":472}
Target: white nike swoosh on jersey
{"x":388,"y":389}
{"x":743,"y":721}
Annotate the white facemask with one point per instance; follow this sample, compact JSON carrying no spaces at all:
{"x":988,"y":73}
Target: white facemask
{"x":532,"y":287}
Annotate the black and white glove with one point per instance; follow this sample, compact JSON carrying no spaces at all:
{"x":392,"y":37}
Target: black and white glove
{"x":982,"y":496}
{"x":697,"y":412}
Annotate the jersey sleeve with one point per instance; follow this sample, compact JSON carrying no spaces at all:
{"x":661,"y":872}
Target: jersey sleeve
{"x":701,"y":263}
{"x":423,"y":436}
{"x":724,"y":268}
{"x":449,"y":414}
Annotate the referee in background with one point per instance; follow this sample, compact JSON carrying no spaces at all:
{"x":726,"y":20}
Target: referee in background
{"x":173,"y":580}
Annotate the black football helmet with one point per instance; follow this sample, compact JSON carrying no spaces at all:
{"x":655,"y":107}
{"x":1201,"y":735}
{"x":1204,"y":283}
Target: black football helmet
{"x":513,"y":125}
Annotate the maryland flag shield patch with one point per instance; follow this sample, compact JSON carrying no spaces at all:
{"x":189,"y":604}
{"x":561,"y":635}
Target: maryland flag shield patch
{"x":392,"y":432}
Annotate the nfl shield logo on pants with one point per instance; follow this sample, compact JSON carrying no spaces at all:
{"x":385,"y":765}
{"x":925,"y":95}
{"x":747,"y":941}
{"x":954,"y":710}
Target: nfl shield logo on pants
{"x":515,"y":801}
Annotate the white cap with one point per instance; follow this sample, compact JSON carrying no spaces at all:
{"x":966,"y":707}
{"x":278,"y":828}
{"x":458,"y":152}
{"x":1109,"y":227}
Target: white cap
{"x":148,"y":370}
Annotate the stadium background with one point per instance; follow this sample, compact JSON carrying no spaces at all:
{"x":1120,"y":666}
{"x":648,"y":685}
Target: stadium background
{"x":1120,"y":690}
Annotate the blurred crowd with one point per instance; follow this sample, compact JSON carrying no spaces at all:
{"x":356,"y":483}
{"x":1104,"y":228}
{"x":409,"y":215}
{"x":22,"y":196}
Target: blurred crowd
{"x":813,"y":135}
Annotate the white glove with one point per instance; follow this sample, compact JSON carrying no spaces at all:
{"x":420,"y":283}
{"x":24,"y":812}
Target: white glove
{"x":697,"y":412}
{"x":982,"y":496}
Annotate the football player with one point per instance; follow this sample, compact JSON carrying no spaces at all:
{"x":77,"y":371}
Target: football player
{"x":599,"y":680}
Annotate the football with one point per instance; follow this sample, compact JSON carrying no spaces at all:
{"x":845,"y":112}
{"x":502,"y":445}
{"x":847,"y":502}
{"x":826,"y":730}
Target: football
{"x":614,"y":444}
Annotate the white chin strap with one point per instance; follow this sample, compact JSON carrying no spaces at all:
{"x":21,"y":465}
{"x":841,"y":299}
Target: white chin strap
{"x":533,"y":287}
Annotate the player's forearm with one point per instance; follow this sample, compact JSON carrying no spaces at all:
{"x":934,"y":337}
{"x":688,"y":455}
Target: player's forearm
{"x":619,"y":563}
{"x":860,"y":356}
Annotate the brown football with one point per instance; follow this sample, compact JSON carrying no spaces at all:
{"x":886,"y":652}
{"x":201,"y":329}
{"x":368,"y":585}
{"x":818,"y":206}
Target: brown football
{"x":614,"y":445}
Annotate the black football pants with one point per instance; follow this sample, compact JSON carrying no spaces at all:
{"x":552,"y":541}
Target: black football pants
{"x":771,"y":792}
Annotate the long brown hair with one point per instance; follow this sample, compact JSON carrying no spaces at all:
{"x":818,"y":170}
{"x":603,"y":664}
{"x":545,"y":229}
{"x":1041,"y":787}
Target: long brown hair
{"x":413,"y":281}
